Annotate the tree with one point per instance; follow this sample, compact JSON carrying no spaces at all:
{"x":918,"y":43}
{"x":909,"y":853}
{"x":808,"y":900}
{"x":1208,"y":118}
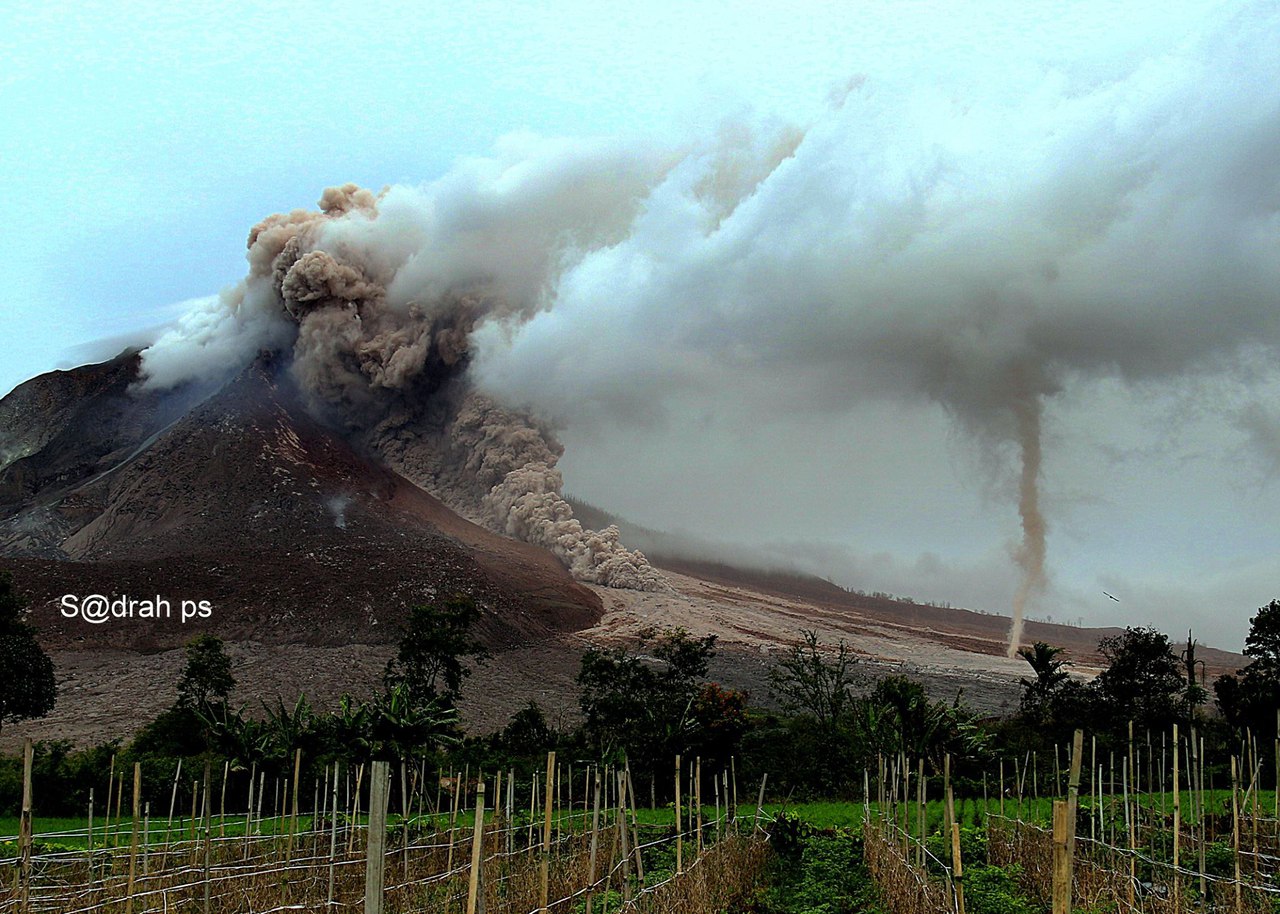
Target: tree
{"x":206,"y":679}
{"x":644,"y":706}
{"x":1262,"y":643}
{"x":1143,"y":682}
{"x":806,"y":682}
{"x":27,"y":686}
{"x":1248,"y":699}
{"x":898,"y":716}
{"x":1036,"y":693}
{"x":431,"y":660}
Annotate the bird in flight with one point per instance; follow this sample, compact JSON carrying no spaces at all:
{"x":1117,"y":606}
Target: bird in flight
{"x":1117,"y":599}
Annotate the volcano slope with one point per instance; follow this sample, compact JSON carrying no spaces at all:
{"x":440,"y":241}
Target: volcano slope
{"x":311,"y":552}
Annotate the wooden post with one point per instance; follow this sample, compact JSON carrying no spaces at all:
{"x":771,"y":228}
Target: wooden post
{"x":957,"y":867}
{"x":1235,"y":830}
{"x":1177,"y":827}
{"x":1130,"y":828}
{"x":760,"y":802}
{"x":922,"y":810}
{"x":208,"y":830}
{"x":375,"y":851}
{"x":1061,"y":861}
{"x":293,"y":810}
{"x":679,"y":824}
{"x":635,"y":824}
{"x":24,"y":829}
{"x":477,"y":849}
{"x":90,"y":837}
{"x":1073,"y":802}
{"x":248,"y":816}
{"x":595,"y":840}
{"x":115,"y":838}
{"x":454,"y":802}
{"x":106,"y":817}
{"x":222,"y":805}
{"x":333,"y":831}
{"x":133,"y":841}
{"x":545,"y":874}
{"x":404,"y":817}
{"x":623,"y":835}
{"x":949,"y":812}
{"x":697,"y":797}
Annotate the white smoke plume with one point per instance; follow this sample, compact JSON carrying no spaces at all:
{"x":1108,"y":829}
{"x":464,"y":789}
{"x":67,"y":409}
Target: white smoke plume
{"x":981,"y":250}
{"x":395,"y":372}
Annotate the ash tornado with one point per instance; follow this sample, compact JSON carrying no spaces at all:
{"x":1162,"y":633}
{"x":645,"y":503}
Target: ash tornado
{"x":1030,"y":554}
{"x":978,"y":244}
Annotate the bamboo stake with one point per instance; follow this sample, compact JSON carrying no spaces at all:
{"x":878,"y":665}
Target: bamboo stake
{"x":222,"y":805}
{"x":1235,"y":830}
{"x":679,"y":824}
{"x":375,"y":849}
{"x":1061,"y":863}
{"x":545,"y":870}
{"x":958,"y":867}
{"x":1130,"y":825}
{"x":208,"y":831}
{"x":595,"y":841}
{"x":477,"y":848}
{"x":24,"y":830}
{"x":333,"y":832}
{"x":115,"y":838}
{"x":293,"y":811}
{"x":133,"y":841}
{"x":1177,"y":826}
{"x":697,"y":798}
{"x":1073,"y":800}
{"x":106,"y":819}
{"x":623,"y":835}
{"x":635,"y":825}
{"x":90,"y":837}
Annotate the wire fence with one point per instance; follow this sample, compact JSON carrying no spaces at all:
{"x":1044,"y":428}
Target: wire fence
{"x":597,"y":857}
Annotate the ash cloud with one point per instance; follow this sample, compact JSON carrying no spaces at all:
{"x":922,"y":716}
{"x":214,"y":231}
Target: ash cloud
{"x":387,"y":357}
{"x":978,"y":245}
{"x":981,"y":251}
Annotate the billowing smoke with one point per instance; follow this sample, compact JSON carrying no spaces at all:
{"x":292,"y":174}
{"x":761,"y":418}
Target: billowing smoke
{"x":981,"y":248}
{"x":393,"y":371}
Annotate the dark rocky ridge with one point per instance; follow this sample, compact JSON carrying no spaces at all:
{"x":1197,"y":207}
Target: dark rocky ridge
{"x":238,"y":496}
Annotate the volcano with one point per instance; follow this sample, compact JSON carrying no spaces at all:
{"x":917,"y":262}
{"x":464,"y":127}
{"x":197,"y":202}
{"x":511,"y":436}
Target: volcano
{"x":240,"y":497}
{"x":311,"y":548}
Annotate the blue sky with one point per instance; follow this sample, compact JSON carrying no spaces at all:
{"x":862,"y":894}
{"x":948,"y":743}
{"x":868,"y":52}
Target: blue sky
{"x":139,"y":142}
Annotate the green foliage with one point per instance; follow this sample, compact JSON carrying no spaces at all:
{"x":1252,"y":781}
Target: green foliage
{"x":817,"y":872}
{"x":1248,"y":698}
{"x":178,"y":732}
{"x":431,"y":659}
{"x":27,"y":685}
{"x":995,"y":890}
{"x":63,"y":777}
{"x":206,"y":679}
{"x":1038,"y":693}
{"x":1142,"y":681}
{"x":806,"y":682}
{"x":898,"y":716}
{"x":651,"y":706}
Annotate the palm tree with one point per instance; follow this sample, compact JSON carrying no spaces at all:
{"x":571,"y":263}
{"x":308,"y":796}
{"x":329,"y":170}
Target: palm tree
{"x":1044,"y":662}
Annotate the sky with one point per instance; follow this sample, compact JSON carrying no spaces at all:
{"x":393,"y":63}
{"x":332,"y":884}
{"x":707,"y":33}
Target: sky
{"x":925,"y":223}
